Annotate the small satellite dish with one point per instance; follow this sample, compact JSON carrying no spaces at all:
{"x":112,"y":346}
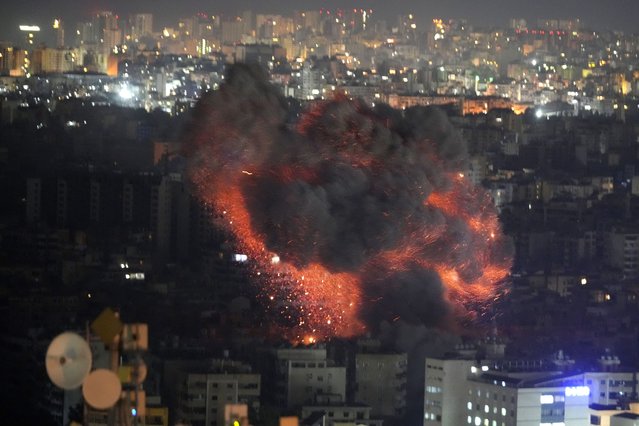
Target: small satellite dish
{"x":102,"y":389}
{"x":68,"y":360}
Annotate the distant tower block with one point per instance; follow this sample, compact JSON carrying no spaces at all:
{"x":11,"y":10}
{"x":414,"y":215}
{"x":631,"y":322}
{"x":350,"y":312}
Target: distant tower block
{"x":30,"y":32}
{"x":58,"y":29}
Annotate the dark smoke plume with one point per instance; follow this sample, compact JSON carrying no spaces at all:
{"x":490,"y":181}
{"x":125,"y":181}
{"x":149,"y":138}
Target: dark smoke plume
{"x":343,"y":186}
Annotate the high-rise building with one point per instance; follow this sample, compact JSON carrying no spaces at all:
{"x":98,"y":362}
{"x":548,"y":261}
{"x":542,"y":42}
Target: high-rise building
{"x":232,"y":31}
{"x":357,"y":20}
{"x":58,"y":29}
{"x":141,"y":25}
{"x":381,"y":383}
{"x":248,"y":18}
{"x":309,"y":19}
{"x":85,"y":34}
{"x":407,"y":27}
{"x":312,"y":82}
{"x":11,"y":60}
{"x":46,"y":60}
{"x":445,"y":391}
{"x":187,"y":27}
{"x":30,"y":32}
{"x":106,"y":31}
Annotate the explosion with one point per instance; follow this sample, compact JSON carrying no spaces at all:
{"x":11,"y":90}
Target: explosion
{"x":350,"y":216}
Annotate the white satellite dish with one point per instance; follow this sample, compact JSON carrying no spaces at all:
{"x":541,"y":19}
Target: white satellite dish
{"x":68,"y":360}
{"x":102,"y":389}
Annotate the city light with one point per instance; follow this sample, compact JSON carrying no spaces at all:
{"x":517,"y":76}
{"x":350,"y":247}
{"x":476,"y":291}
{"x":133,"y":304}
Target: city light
{"x":577,"y":391}
{"x":546,"y":399}
{"x":125,"y":93}
{"x":375,"y":178}
{"x":29,"y":28}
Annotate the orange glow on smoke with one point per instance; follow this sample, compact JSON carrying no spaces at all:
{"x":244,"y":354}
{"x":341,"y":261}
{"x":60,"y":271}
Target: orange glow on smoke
{"x":326,"y":304}
{"x":319,"y":303}
{"x":473,"y":206}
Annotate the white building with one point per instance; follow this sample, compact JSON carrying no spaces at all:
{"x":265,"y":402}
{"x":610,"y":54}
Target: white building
{"x":203,"y":397}
{"x":526,"y":399}
{"x":446,"y":391}
{"x":304,"y":374}
{"x":462,"y":392}
{"x":607,"y":387}
{"x":312,"y":82}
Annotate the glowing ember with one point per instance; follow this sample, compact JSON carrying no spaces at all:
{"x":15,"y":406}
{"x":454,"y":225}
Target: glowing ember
{"x":351,"y":217}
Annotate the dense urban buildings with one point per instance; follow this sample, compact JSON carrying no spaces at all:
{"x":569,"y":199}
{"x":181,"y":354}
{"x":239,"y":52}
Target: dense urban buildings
{"x":98,"y":211}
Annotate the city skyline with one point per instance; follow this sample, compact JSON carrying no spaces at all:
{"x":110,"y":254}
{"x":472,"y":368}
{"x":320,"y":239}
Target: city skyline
{"x":380,"y":216}
{"x":613,"y":15}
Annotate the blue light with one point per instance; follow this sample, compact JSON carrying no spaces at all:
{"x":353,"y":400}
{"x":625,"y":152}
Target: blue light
{"x":577,"y":391}
{"x":134,"y":412}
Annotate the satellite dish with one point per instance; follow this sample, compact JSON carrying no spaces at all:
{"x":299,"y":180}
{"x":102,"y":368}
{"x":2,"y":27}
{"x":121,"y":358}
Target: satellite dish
{"x":102,"y":389}
{"x":68,"y":360}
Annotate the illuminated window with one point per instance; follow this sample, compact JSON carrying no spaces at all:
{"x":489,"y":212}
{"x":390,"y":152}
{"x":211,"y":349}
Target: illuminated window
{"x":546,"y":399}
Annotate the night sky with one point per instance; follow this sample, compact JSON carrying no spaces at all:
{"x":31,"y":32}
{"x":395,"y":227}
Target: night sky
{"x":598,"y":14}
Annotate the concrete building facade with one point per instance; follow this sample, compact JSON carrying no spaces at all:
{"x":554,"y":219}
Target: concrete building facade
{"x":381,"y":383}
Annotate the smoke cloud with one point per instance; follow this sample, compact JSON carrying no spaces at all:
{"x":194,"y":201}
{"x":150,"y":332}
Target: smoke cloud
{"x":374,"y":194}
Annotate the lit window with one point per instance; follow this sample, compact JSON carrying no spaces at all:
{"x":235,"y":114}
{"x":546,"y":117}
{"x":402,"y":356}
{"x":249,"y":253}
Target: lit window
{"x":546,"y":399}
